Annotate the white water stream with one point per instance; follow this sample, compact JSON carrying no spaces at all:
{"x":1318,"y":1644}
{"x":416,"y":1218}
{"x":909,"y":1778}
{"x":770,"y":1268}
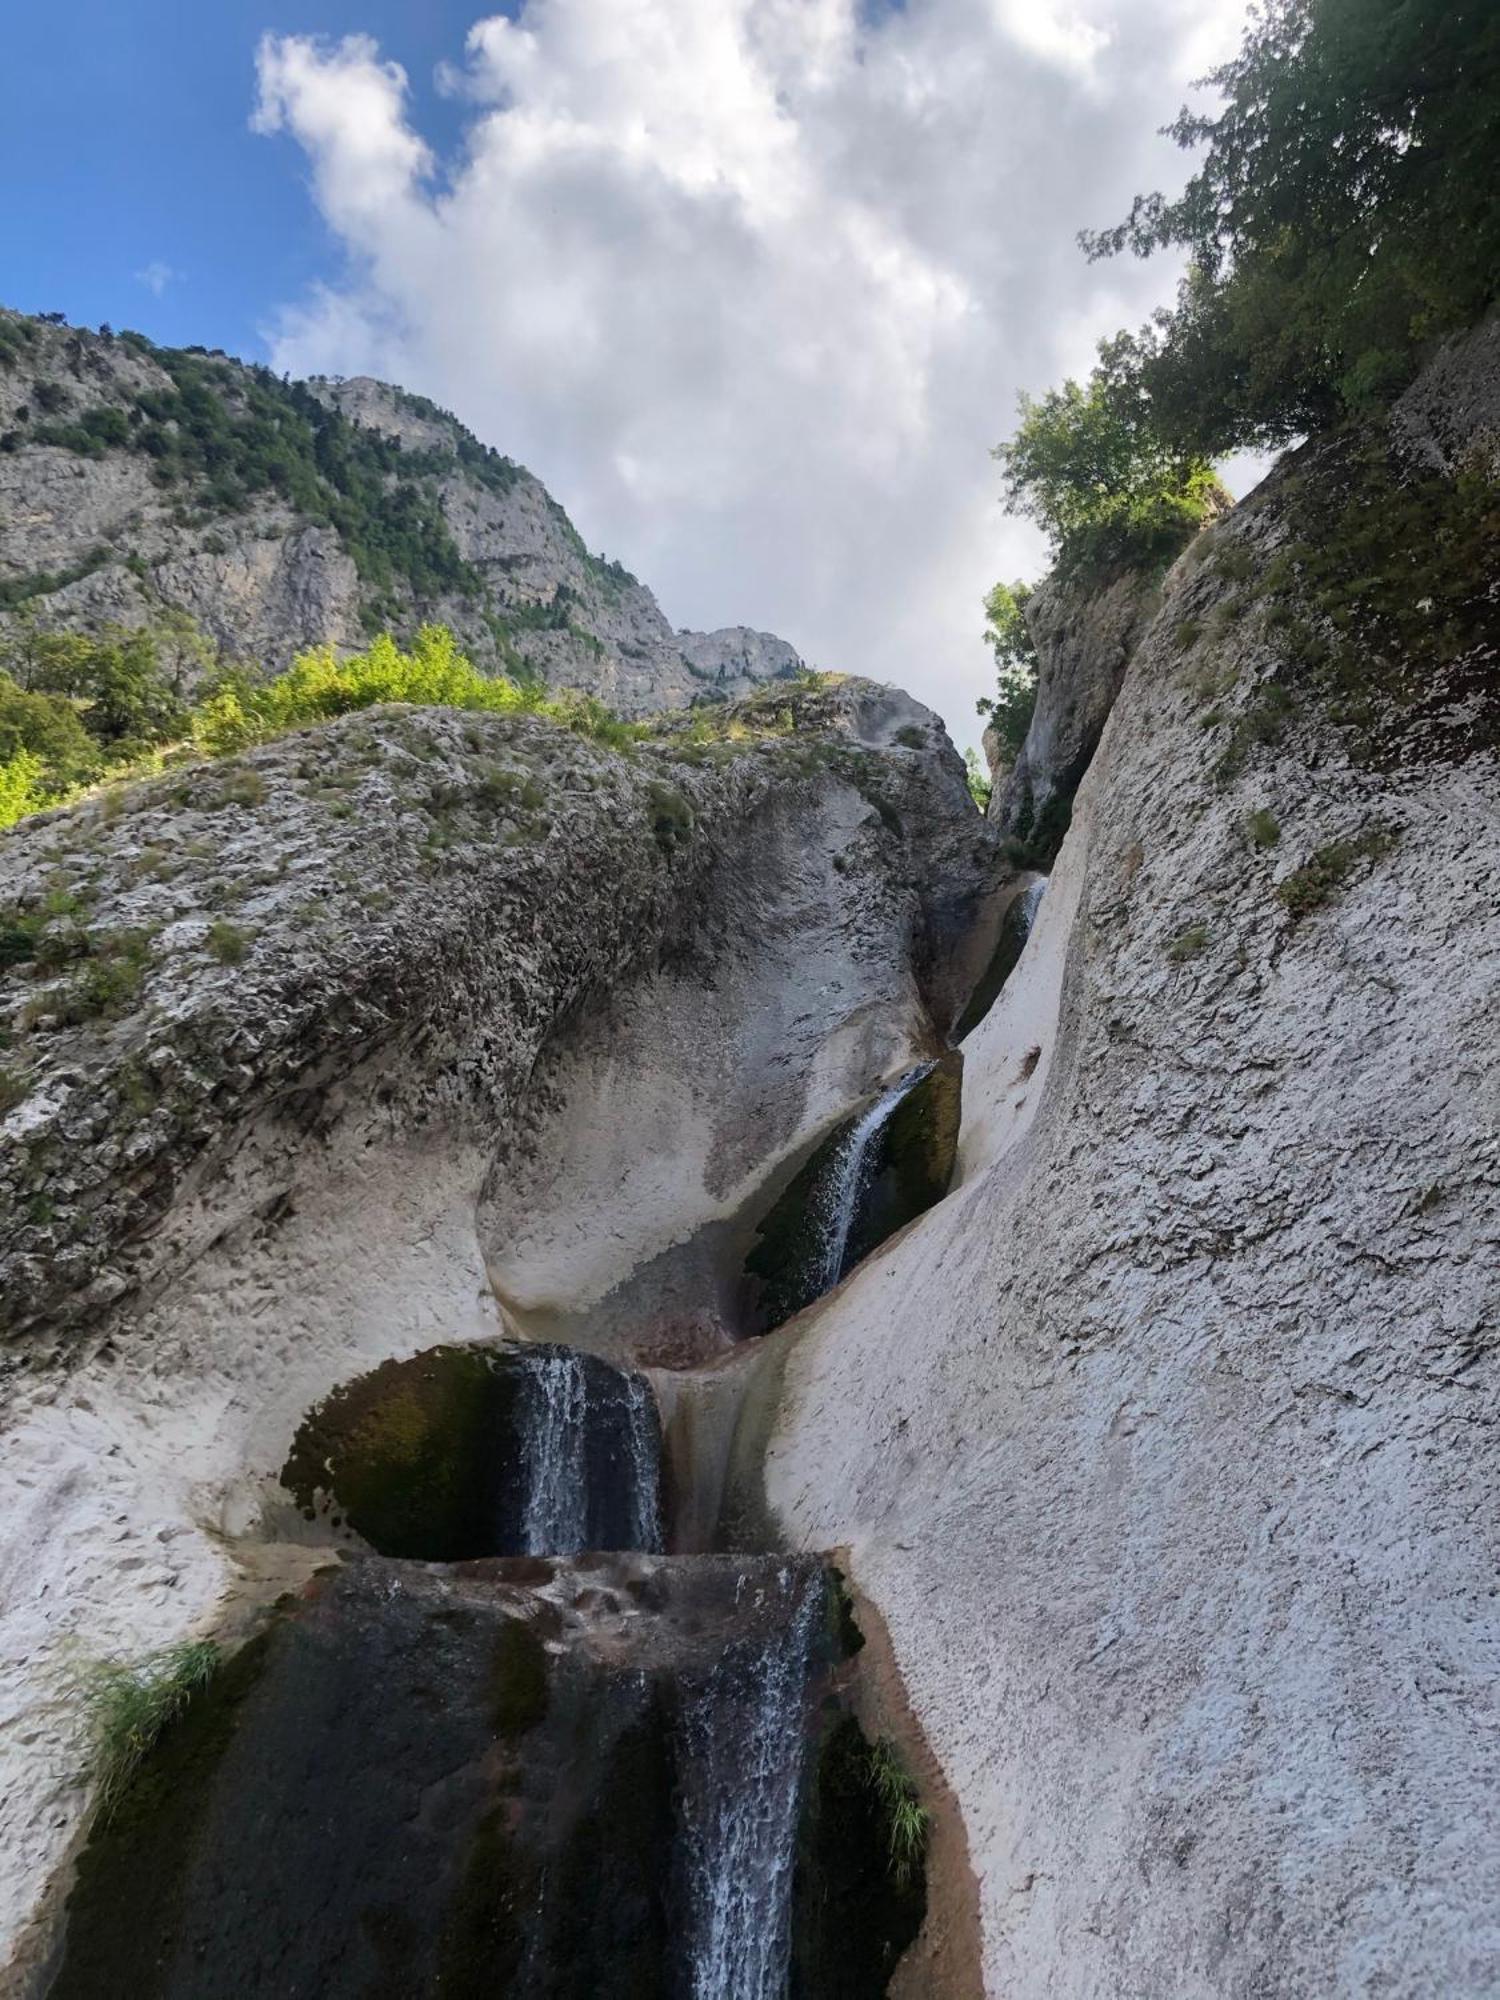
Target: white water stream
{"x":847,"y":1175}
{"x":742,"y":1743}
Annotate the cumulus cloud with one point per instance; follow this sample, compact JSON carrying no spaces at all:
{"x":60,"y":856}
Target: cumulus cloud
{"x":753,"y":284}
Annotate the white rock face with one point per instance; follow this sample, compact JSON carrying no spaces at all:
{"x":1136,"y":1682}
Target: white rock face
{"x":1167,"y":1444}
{"x":519,"y":1022}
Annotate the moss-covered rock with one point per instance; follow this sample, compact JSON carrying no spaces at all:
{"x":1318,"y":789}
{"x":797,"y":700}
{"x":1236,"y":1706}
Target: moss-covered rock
{"x":432,"y":1457}
{"x":906,"y":1166}
{"x":858,"y":1898}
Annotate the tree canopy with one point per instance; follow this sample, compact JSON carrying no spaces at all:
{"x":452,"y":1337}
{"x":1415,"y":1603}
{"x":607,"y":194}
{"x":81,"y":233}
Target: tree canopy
{"x":1087,"y":465}
{"x":1344,"y":215}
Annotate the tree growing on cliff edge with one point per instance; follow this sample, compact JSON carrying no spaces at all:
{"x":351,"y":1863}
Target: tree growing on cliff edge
{"x":1009,"y":711}
{"x":1343,"y":216}
{"x":1088,"y":465}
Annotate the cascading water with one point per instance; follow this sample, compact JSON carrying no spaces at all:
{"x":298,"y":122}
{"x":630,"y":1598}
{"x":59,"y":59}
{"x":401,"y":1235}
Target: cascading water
{"x":590,"y":1450}
{"x":554,"y":1516}
{"x":846,"y":1178}
{"x":742,"y":1731}
{"x":643,"y":1455}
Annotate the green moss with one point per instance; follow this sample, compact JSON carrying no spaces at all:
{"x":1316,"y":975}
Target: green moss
{"x":14,"y":1089}
{"x":1324,"y":874}
{"x":402,"y":1451}
{"x":1187,"y":943}
{"x":1262,"y":827}
{"x":910,"y":737}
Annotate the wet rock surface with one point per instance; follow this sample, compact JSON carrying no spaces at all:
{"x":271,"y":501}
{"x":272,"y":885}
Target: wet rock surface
{"x":505,"y":1777}
{"x":483,"y":1451}
{"x":872,"y":1175}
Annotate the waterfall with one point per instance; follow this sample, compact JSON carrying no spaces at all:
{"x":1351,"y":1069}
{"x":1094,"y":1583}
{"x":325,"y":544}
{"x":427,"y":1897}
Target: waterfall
{"x":1031,"y":902}
{"x":554,"y":1516}
{"x":847,"y":1176}
{"x":643,"y":1459}
{"x":742,"y":1739}
{"x":590,"y":1456}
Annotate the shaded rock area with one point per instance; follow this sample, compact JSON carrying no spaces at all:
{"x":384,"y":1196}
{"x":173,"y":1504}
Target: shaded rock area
{"x":857,"y":1906}
{"x":1085,"y":634}
{"x":871,"y":1175}
{"x":482,"y":1780}
{"x":1010,"y":942}
{"x":474,"y":1451}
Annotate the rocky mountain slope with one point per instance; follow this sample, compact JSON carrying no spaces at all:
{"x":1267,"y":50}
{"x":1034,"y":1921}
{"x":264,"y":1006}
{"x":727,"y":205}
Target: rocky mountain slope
{"x":136,"y":480}
{"x":1167,"y":1442}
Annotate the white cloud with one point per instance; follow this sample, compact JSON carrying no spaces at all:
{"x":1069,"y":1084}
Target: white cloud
{"x":752,"y":284}
{"x":156,"y":276}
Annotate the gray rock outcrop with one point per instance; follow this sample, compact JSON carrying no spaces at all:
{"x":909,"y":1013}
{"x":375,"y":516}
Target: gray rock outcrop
{"x":1085,"y":634}
{"x":1176,"y":1487}
{"x":108,"y":526}
{"x":417,"y":1028}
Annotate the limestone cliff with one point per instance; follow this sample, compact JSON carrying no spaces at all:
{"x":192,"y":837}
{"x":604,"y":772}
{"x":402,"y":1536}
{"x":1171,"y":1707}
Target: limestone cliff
{"x":1085,"y":634}
{"x":1167,"y":1443}
{"x":411,"y":1029}
{"x":136,"y":480}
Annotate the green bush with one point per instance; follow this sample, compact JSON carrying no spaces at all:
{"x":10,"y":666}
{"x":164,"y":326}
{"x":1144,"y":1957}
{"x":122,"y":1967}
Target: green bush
{"x":907,"y":1819}
{"x":227,"y":942}
{"x":1343,"y":215}
{"x":1324,"y":873}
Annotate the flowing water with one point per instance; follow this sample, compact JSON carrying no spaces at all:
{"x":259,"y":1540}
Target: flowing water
{"x":835,"y":1202}
{"x":590,"y":1450}
{"x":742,"y":1734}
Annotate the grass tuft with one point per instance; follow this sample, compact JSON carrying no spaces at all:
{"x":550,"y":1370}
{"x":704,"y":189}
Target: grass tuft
{"x":907,"y":1819}
{"x":127,"y":1704}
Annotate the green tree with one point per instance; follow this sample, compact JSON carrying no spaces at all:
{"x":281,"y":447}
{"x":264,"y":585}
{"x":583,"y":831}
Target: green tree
{"x":1009,"y":710}
{"x":1343,"y":215}
{"x":49,"y":727}
{"x":1087,"y":465}
{"x":126,"y":702}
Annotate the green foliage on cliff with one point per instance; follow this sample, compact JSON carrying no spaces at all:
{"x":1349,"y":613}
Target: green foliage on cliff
{"x":1010,"y":708}
{"x":433,"y":673}
{"x":74,"y":706}
{"x":1342,"y":216}
{"x":1089,"y":467}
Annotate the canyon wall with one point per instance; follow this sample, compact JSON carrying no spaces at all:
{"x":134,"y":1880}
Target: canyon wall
{"x":1166,"y":1445}
{"x":418,"y":1027}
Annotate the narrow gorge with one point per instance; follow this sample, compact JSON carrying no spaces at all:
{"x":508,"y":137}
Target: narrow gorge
{"x":737,"y":1380}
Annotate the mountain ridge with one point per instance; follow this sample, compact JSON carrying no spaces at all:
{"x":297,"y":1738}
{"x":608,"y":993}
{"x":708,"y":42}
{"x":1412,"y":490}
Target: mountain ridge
{"x":138,"y":480}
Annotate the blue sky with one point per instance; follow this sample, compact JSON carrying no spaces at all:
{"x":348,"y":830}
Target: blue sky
{"x":125,"y":143}
{"x":752,"y":285}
